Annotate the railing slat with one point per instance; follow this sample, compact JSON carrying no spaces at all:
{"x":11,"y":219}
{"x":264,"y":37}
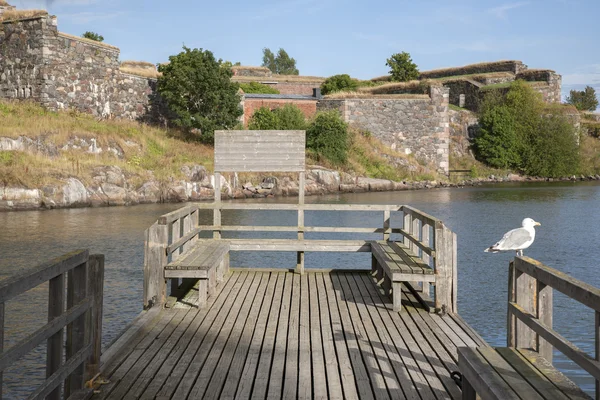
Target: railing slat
{"x":544,"y":315}
{"x":94,"y":326}
{"x":185,"y":238}
{"x":30,"y":278}
{"x":76,"y":292}
{"x":559,"y":342}
{"x":1,"y":343}
{"x":177,"y":214}
{"x":416,"y":242}
{"x":56,"y":308}
{"x":573,"y":288}
{"x":30,"y":342}
{"x":511,"y":323}
{"x":525,"y":292}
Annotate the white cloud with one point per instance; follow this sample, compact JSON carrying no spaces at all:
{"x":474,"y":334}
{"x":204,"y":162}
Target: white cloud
{"x":584,"y":75}
{"x":502,"y":11}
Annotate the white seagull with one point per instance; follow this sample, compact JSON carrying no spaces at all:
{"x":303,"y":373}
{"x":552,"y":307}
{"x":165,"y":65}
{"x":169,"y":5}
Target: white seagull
{"x":517,"y":239}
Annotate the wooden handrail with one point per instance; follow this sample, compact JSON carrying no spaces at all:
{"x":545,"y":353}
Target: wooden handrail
{"x":84,"y":275}
{"x":529,"y":322}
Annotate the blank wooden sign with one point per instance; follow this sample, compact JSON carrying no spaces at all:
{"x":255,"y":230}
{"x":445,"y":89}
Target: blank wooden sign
{"x":260,"y":151}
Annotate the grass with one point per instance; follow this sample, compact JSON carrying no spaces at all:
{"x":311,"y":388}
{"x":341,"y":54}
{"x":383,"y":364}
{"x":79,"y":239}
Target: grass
{"x":13,"y":15}
{"x":450,"y":70}
{"x":367,"y":95}
{"x":279,"y":78}
{"x":145,"y":148}
{"x":86,"y":40}
{"x":145,"y":72}
{"x":457,"y":108}
{"x":505,"y":85}
{"x":476,"y":76}
{"x":467,"y":162}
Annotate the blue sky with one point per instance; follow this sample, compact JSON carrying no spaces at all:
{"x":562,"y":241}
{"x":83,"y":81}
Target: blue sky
{"x":328,"y":37}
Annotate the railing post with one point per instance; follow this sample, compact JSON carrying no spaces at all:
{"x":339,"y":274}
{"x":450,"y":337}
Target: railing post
{"x":217,"y":209}
{"x":443,"y":268}
{"x":525,"y":297}
{"x":454,"y":273}
{"x":597,"y":345}
{"x":544,"y":315}
{"x":425,"y":239}
{"x":54,"y":352}
{"x":1,"y":342}
{"x":300,"y":254}
{"x":407,"y":226}
{"x":511,"y":320}
{"x":76,"y":292}
{"x":386,"y":225}
{"x":155,"y":259}
{"x":94,"y":328}
{"x":175,"y":234}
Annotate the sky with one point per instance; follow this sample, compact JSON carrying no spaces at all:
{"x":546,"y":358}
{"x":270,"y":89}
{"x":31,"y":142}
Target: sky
{"x":328,"y":37}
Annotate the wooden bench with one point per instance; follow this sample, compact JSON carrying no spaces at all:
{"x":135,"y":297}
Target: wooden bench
{"x":395,"y":263}
{"x":207,"y":261}
{"x":506,"y":373}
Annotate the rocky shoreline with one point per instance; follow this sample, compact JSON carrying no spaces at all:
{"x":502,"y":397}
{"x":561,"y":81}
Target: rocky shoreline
{"x":110,"y":187}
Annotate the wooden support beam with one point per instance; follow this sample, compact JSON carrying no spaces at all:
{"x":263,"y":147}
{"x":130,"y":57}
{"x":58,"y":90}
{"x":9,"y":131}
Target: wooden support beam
{"x":217,"y":210}
{"x":155,"y":259}
{"x":76,"y":292}
{"x":425,"y":233}
{"x":94,"y":328}
{"x":1,"y":342}
{"x":597,"y":345}
{"x":511,"y":321}
{"x":525,"y":295}
{"x":544,"y":315}
{"x":300,"y":254}
{"x":54,"y":353}
{"x":386,"y":225}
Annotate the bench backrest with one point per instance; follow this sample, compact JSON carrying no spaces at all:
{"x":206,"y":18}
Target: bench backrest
{"x":530,"y":312}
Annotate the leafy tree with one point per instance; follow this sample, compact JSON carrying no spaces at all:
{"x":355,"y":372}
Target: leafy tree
{"x":229,"y":64}
{"x":256,"y":87}
{"x":263,"y":119}
{"x":519,"y":131}
{"x":402,"y":68}
{"x":93,"y":36}
{"x":337,"y":83}
{"x":281,"y":63}
{"x":327,"y":136}
{"x":288,"y":117}
{"x":199,"y":93}
{"x":583,"y":100}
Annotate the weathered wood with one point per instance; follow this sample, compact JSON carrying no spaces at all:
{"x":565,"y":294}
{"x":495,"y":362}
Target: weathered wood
{"x":94,"y":323}
{"x":415,"y":234}
{"x":525,"y":293}
{"x":2,"y":307}
{"x":544,"y":315}
{"x":386,"y":225}
{"x":175,"y":215}
{"x":306,"y":207}
{"x":424,"y":217}
{"x":407,"y":229}
{"x":300,"y":254}
{"x":217,"y":209}
{"x":316,"y":342}
{"x":425,"y":240}
{"x":77,"y":280}
{"x":155,"y":259}
{"x":573,"y":288}
{"x":581,"y":358}
{"x":443,"y":269}
{"x":32,"y":277}
{"x":454,"y":273}
{"x":596,"y":345}
{"x":54,"y":346}
{"x":290,"y":380}
{"x":304,"y":357}
{"x":511,"y":323}
{"x":260,"y":151}
{"x":298,"y":245}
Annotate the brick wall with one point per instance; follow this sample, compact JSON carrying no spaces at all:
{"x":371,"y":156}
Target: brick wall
{"x":308,"y":107}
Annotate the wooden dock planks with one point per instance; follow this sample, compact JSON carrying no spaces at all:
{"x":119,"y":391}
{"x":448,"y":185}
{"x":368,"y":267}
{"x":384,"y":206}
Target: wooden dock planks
{"x":269,"y":334}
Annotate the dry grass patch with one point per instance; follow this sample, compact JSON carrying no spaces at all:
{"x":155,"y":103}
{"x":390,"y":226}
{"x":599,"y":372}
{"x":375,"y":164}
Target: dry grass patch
{"x":4,"y":4}
{"x":367,"y":95}
{"x":14,"y":15}
{"x":88,"y":41}
{"x":144,"y":72}
{"x":279,"y":78}
{"x":486,"y":66}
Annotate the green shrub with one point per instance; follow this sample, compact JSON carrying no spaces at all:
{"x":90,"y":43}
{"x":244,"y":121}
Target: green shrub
{"x":327,"y":137}
{"x":339,"y":83}
{"x":263,"y":119}
{"x":256,"y":87}
{"x":288,"y":117}
{"x":402,"y":67}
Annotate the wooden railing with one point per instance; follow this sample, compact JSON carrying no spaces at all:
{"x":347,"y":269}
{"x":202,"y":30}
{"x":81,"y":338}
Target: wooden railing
{"x":530,"y":288}
{"x":80,"y":276}
{"x":176,"y":231}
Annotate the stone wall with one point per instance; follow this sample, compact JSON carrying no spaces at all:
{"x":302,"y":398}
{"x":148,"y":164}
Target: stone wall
{"x":417,"y":126}
{"x":301,"y":88}
{"x":62,"y":71}
{"x":250,"y":105}
{"x":552,"y":91}
{"x":467,"y":88}
{"x":497,"y":66}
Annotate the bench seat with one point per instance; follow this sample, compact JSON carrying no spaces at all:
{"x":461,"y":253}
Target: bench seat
{"x":506,"y":373}
{"x":207,"y":261}
{"x":395,"y":263}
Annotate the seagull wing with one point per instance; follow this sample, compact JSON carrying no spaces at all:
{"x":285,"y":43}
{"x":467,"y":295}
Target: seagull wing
{"x":514,"y":240}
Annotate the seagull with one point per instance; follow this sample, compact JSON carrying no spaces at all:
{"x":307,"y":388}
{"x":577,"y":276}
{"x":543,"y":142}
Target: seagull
{"x":517,"y":239}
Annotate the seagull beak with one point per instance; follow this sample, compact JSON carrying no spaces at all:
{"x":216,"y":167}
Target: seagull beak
{"x":537,"y":224}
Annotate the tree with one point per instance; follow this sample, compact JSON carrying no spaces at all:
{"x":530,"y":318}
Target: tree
{"x":337,"y":83}
{"x":281,"y":63}
{"x":402,"y":67}
{"x":199,"y":93}
{"x":583,"y":100}
{"x":327,"y":137}
{"x":93,"y":36}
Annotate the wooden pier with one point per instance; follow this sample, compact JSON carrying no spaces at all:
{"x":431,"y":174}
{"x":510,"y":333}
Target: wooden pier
{"x":209,"y":329}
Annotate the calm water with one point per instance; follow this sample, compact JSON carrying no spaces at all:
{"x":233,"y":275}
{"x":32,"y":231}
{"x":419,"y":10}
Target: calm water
{"x":567,"y":240}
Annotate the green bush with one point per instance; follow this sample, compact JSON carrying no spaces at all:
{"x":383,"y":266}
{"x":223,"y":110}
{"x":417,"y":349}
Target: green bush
{"x":518,"y":131}
{"x":256,"y":87}
{"x":338,"y":83}
{"x":288,"y":117}
{"x":327,"y":137}
{"x":402,"y":67}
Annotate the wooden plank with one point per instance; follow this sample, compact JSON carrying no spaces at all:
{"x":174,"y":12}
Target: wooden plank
{"x":463,"y":325}
{"x":417,"y":377}
{"x":403,"y":386}
{"x":217,"y":209}
{"x":332,"y":368}
{"x":217,"y":363}
{"x":299,"y":245}
{"x":291,"y":368}
{"x":155,"y":258}
{"x":581,"y":358}
{"x":171,"y":372}
{"x":544,"y":315}
{"x":359,"y":369}
{"x":76,"y":293}
{"x":530,"y":374}
{"x":372,"y":356}
{"x":511,"y":320}
{"x":596,"y":345}
{"x":186,"y":273}
{"x":300,"y":254}
{"x":304,"y":358}
{"x":482,"y":377}
{"x":233,"y":375}
{"x":319,"y":376}
{"x":457,"y":333}
{"x":29,"y":278}
{"x":94,"y":326}
{"x":54,"y":346}
{"x":406,"y":228}
{"x":275,"y":389}
{"x":574,"y":288}
{"x":175,"y":215}
{"x":194,"y":367}
{"x":525,"y":293}
{"x":425,"y":239}
{"x":443,"y":269}
{"x":243,"y":387}
{"x":179,"y":243}
{"x":426,"y":218}
{"x":566,"y":386}
{"x":338,"y":334}
{"x":386,"y":225}
{"x":508,"y":373}
{"x":454,"y":273}
{"x":292,"y":206}
{"x":261,"y":380}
